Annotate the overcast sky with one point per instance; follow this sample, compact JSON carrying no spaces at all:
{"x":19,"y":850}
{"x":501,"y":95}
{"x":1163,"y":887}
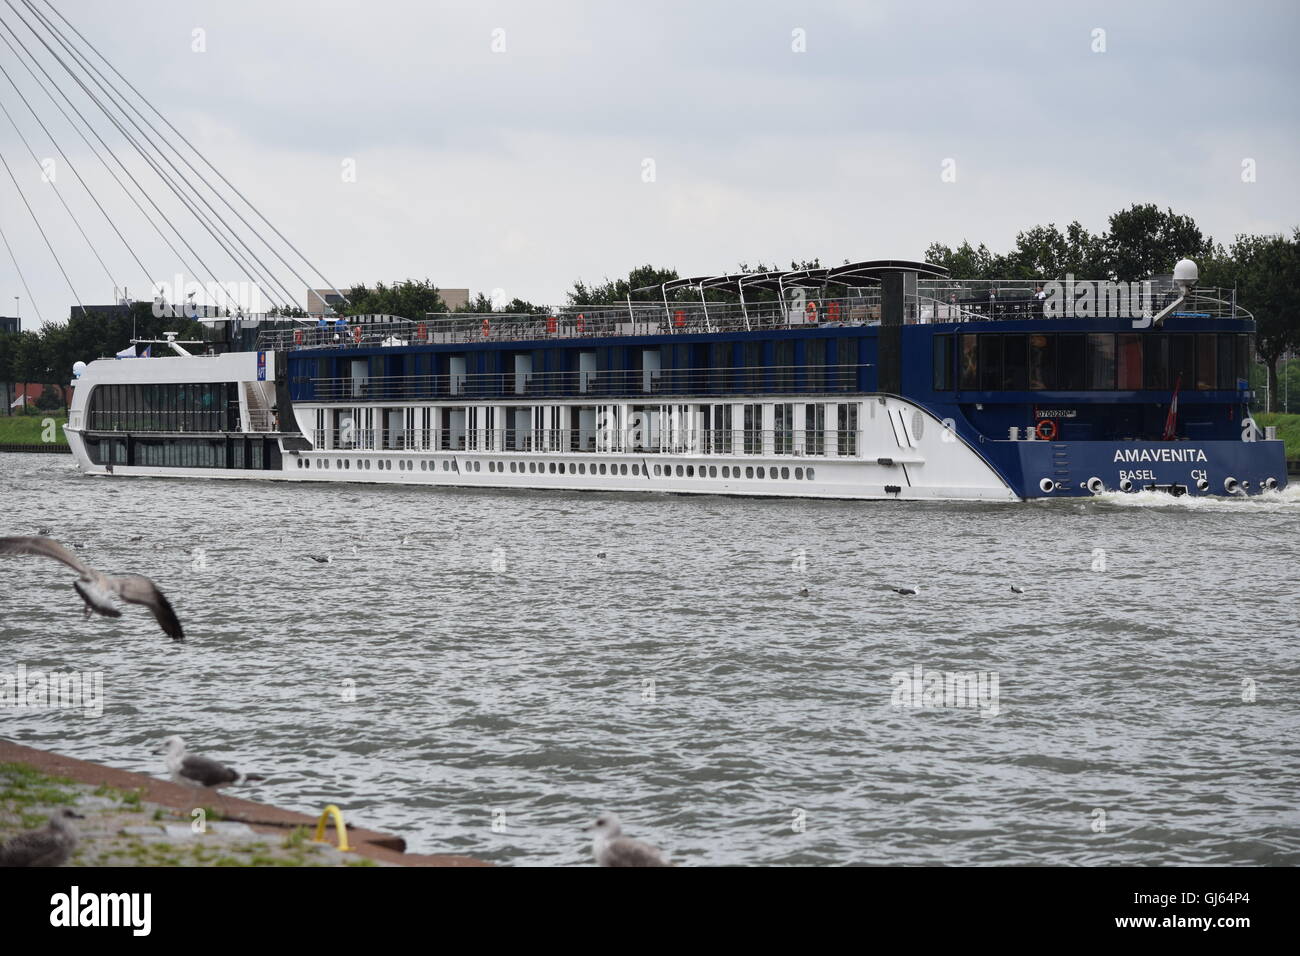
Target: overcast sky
{"x":524,"y":169}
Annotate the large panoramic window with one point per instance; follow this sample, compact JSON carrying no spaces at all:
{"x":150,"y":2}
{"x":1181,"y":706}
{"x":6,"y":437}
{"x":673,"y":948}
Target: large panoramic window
{"x":205,"y":407}
{"x":1070,"y":362}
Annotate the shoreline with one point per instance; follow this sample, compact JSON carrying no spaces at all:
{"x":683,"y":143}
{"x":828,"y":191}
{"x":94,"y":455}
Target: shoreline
{"x":385,"y":848}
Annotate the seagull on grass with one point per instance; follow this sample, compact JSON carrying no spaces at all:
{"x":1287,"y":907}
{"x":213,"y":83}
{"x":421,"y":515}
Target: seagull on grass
{"x":52,"y":845}
{"x":201,"y":773}
{"x":611,"y":848}
{"x":98,"y":589}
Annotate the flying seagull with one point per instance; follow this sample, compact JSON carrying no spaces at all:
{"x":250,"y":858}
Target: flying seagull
{"x":51,"y":845}
{"x":202,"y":772}
{"x":611,"y":848}
{"x":97,"y":589}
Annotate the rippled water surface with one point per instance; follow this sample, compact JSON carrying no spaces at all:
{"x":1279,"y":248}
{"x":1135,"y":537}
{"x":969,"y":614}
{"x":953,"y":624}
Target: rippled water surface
{"x":683,"y":680}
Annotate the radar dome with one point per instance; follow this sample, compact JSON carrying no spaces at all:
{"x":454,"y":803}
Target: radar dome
{"x":1186,"y":273}
{"x":77,"y":369}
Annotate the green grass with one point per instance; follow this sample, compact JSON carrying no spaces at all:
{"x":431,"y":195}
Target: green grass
{"x":22,"y":787}
{"x":26,"y":429}
{"x":1288,"y":429}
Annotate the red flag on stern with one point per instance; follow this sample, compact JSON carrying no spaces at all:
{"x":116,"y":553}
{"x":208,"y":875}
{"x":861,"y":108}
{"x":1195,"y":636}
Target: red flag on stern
{"x":1171,"y":421}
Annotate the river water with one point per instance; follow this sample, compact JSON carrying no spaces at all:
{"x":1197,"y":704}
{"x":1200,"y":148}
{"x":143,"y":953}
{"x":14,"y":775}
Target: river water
{"x":470,"y":672}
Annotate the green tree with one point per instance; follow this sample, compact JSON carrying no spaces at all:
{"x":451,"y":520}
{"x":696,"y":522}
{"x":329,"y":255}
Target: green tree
{"x":8,"y":350}
{"x":1143,"y":241}
{"x":409,"y":299}
{"x":617,"y":290}
{"x":481,"y":304}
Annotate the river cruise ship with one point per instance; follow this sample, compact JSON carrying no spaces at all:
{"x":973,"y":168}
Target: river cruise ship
{"x":871,"y":380}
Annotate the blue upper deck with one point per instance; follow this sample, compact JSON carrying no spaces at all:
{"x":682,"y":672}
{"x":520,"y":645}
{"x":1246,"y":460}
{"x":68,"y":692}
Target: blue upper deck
{"x":987,"y":355}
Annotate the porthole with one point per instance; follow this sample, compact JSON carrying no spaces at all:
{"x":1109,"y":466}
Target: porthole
{"x":785,"y":473}
{"x":760,"y":472}
{"x":749,"y":471}
{"x":810,"y":474}
{"x":690,"y":471}
{"x":713,"y":471}
{"x":680,"y":471}
{"x":798,"y":474}
{"x":636,"y":469}
{"x":582,"y":469}
{"x":657,"y":472}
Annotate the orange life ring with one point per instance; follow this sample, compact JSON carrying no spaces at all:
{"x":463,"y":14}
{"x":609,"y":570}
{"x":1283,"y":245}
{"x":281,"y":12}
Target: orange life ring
{"x":810,"y":311}
{"x":356,"y":334}
{"x":297,"y":336}
{"x":487,"y":328}
{"x":679,"y":319}
{"x":1046,"y":429}
{"x":832,"y":311}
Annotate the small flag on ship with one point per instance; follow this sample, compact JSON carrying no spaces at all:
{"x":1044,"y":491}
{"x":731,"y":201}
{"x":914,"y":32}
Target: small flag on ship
{"x":1171,"y":421}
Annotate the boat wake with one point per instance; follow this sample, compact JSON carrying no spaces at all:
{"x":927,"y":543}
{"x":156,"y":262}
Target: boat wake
{"x":1286,"y":500}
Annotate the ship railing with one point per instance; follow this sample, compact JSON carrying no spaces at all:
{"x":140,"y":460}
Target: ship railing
{"x":509,"y":385}
{"x":262,"y":420}
{"x":806,"y":309}
{"x":996,"y":300}
{"x":639,"y":438}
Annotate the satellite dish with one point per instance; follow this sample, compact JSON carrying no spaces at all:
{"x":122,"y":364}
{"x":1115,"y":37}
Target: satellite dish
{"x":77,"y":369}
{"x":1185,"y":275}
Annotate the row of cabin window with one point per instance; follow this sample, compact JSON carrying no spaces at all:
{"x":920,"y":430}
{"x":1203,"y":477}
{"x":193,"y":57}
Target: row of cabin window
{"x":581,"y":468}
{"x":1070,"y":361}
{"x":201,"y":407}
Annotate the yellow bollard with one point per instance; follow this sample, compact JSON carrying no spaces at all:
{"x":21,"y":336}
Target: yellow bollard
{"x":339,"y":825}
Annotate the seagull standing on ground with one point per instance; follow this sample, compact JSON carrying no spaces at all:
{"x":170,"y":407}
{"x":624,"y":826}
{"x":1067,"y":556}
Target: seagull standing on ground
{"x":611,"y":848}
{"x":200,"y":772}
{"x":51,"y":845}
{"x":97,"y":589}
